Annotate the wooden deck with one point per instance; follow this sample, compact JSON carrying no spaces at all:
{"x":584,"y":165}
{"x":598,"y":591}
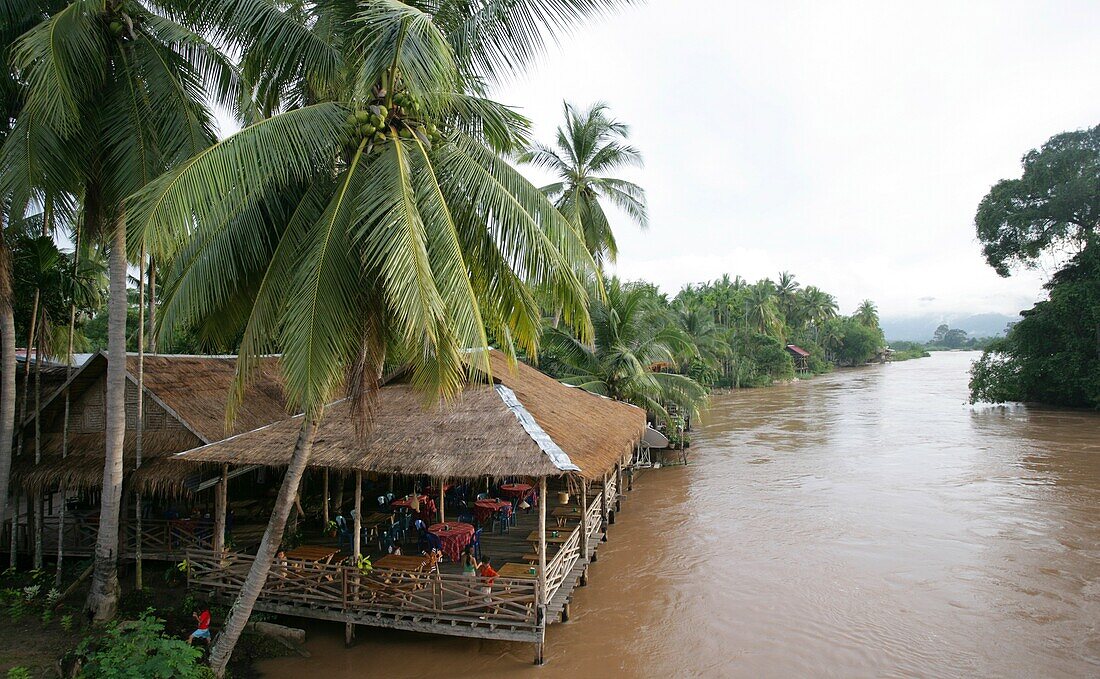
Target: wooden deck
{"x":437,"y":600}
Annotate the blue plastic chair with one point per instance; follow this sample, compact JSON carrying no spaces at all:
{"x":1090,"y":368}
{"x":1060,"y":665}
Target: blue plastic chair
{"x":475,"y":542}
{"x":343,"y":533}
{"x":433,"y":541}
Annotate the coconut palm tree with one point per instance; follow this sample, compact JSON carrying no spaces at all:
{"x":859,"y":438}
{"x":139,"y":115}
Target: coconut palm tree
{"x":371,"y":218}
{"x":762,"y":312}
{"x":817,"y":307}
{"x":786,"y":297}
{"x":115,"y":93}
{"x":588,"y":146}
{"x":867,"y":314}
{"x":632,"y":335}
{"x":18,"y":18}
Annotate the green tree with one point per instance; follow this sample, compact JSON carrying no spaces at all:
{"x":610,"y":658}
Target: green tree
{"x":633,"y":337}
{"x":114,"y":93}
{"x":373,"y":218}
{"x":1054,"y":205}
{"x":1053,"y":354}
{"x":762,"y":312}
{"x":867,"y":314}
{"x":588,"y":146}
{"x":858,"y":342}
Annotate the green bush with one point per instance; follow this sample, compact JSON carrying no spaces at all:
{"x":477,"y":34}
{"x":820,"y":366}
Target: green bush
{"x":19,"y":673}
{"x":139,"y":650}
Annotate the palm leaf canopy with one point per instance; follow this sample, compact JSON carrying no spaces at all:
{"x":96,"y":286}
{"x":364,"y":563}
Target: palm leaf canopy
{"x":113,"y":94}
{"x":632,"y":335}
{"x":381,"y":219}
{"x":589,"y":146}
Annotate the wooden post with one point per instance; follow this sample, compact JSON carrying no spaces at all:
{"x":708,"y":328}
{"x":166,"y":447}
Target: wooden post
{"x":442,"y":497}
{"x":565,"y":612}
{"x":221,"y":497}
{"x":542,"y":542}
{"x":358,"y":519}
{"x":349,"y":634}
{"x":324,"y":502}
{"x":604,"y":508}
{"x":584,"y":519}
{"x":618,"y":485}
{"x":391,"y":483}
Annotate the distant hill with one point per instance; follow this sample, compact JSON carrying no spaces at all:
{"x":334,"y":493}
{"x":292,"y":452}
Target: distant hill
{"x":920,"y":328}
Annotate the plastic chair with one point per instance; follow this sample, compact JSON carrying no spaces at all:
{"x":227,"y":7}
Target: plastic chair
{"x":475,"y":542}
{"x":343,"y":533}
{"x":434,"y":541}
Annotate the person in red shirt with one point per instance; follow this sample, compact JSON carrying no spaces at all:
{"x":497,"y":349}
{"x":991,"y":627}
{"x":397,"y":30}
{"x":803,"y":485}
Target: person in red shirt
{"x":203,"y":631}
{"x":485,"y":570}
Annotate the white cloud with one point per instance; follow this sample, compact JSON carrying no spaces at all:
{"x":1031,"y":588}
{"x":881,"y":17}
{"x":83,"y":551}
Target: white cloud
{"x":848,"y":143}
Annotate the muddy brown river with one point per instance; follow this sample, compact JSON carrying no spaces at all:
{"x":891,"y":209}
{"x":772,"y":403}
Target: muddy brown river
{"x":867,"y":523}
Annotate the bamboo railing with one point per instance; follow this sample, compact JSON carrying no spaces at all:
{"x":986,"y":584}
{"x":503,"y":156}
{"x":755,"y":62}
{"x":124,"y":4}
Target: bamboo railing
{"x":160,"y":537}
{"x":337,"y":588}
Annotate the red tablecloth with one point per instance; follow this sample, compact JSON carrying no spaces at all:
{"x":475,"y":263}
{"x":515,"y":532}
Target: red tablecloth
{"x":407,"y":503}
{"x":483,"y":509}
{"x":516,"y":490}
{"x":427,"y":507}
{"x":453,"y":540}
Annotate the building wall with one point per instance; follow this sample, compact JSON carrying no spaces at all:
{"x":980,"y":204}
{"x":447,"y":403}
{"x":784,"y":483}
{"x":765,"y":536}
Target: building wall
{"x":87,"y":413}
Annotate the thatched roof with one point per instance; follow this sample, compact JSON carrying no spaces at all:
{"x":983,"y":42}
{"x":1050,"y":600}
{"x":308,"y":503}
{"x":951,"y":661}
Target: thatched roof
{"x":197,"y":389}
{"x":190,"y":392}
{"x":550,"y":429}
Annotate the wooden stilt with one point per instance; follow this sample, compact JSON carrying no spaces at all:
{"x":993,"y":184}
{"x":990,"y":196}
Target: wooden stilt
{"x":583,"y":580}
{"x":442,"y":497}
{"x":542,"y":545}
{"x":358,"y":523}
{"x":349,"y":634}
{"x":538,"y":653}
{"x":584,"y":519}
{"x":604,"y":508}
{"x":565,"y":612}
{"x":618,"y":485}
{"x":324,"y":502}
{"x":221,"y":499}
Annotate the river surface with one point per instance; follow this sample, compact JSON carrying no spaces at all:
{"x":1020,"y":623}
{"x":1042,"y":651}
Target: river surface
{"x":867,"y":523}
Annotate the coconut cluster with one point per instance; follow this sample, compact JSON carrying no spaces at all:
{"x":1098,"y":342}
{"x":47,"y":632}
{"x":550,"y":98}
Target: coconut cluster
{"x":404,"y":115}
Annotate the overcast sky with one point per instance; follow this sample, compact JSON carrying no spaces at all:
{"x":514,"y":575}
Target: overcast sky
{"x":848,"y":143}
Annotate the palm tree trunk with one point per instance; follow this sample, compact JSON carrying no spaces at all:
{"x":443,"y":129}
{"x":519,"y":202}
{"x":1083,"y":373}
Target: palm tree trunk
{"x":153,"y":306}
{"x":7,"y":373}
{"x":269,"y":547}
{"x":37,"y":497}
{"x":27,"y":374}
{"x":65,"y":418}
{"x":102,"y":602}
{"x":140,"y":419}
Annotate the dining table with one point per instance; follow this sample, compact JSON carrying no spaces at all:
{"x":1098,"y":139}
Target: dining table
{"x":517,"y":490}
{"x":520,"y":571}
{"x":563,"y":514}
{"x":318,"y":553}
{"x":484,"y":509}
{"x":560,"y":538}
{"x":453,"y":537}
{"x":398,"y":562}
{"x":406,"y":502}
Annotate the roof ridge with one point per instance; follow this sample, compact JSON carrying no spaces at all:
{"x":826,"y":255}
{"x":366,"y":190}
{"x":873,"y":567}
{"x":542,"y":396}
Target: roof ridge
{"x":558,"y":457}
